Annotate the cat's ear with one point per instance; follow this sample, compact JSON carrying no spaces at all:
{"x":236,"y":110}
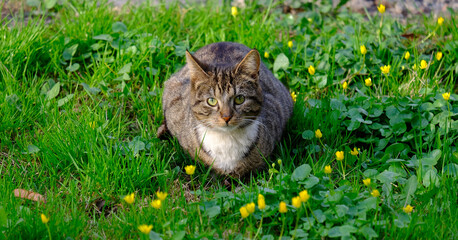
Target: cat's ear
{"x":250,"y":64}
{"x":195,"y":69}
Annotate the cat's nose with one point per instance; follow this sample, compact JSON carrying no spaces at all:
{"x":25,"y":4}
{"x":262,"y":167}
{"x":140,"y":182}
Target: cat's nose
{"x":226,"y":118}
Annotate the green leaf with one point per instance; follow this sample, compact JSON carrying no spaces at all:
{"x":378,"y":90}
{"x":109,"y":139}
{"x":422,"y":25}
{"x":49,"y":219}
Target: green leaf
{"x":50,"y":3}
{"x":310,"y":182}
{"x":281,"y":62}
{"x":319,"y":215}
{"x":338,"y":105}
{"x":321,"y":81}
{"x":212,"y":212}
{"x":69,"y":52}
{"x":342,"y":231}
{"x":451,"y":169}
{"x":354,"y":124}
{"x":431,"y":158}
{"x":34,"y":3}
{"x":73,"y":67}
{"x":387,"y":176}
{"x":410,"y":188}
{"x":341,"y":210}
{"x":367,"y":204}
{"x":3,"y":217}
{"x":90,"y":90}
{"x":104,"y":37}
{"x":65,"y":100}
{"x":154,"y":236}
{"x":136,"y":145}
{"x":31,"y":149}
{"x":431,"y":178}
{"x":125,"y":68}
{"x":308,"y":134}
{"x":53,"y":92}
{"x":178,"y":235}
{"x":301,"y":172}
{"x":368,"y":232}
{"x":118,"y":27}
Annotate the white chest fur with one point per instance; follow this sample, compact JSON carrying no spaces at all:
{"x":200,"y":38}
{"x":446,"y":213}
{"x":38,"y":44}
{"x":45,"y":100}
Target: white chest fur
{"x":227,"y":147}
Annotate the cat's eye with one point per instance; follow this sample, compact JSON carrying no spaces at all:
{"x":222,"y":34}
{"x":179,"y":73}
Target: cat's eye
{"x":212,"y":102}
{"x":239,"y":99}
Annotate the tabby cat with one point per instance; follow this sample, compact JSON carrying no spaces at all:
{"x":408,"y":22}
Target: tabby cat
{"x":226,"y":108}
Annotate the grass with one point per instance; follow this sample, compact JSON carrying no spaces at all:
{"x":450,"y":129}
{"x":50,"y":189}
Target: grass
{"x":80,"y":94}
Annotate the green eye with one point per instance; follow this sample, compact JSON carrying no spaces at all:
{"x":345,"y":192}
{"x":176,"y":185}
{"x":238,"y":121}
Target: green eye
{"x":212,"y":102}
{"x":239,"y":99}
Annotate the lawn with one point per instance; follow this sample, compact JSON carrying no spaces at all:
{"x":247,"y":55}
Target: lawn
{"x":80,"y":103}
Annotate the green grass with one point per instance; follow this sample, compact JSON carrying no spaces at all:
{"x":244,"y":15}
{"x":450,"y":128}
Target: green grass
{"x":80,"y":102}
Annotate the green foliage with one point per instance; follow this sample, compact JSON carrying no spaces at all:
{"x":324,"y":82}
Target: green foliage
{"x":80,"y":90}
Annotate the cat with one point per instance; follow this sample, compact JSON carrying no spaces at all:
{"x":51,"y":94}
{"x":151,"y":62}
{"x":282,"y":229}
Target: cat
{"x":226,"y":108}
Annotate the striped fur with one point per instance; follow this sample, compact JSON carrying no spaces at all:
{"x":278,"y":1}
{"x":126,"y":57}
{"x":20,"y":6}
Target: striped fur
{"x":232,"y":138}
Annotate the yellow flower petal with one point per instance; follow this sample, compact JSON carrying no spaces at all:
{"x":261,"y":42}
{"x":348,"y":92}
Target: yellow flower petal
{"x":266,"y":54}
{"x":304,"y":196}
{"x":363,"y":49}
{"x":375,"y":193}
{"x":439,"y":56}
{"x":318,"y":133}
{"x":234,"y":11}
{"x":423,"y":64}
{"x":293,"y":96}
{"x":367,"y":181}
{"x":340,"y":155}
{"x":407,"y":55}
{"x":327,"y":169}
{"x":354,"y":152}
{"x":296,"y":201}
{"x":251,"y":207}
{"x":385,"y":69}
{"x":440,"y":21}
{"x":311,"y":70}
{"x":261,"y":202}
{"x":156,"y":204}
{"x":345,"y":85}
{"x":145,"y":229}
{"x":130,"y":198}
{"x":446,"y":96}
{"x":44,"y":219}
{"x":381,"y":8}
{"x":190,"y":169}
{"x":282,"y":207}
{"x":290,"y":44}
{"x":407,"y":209}
{"x":368,"y":82}
{"x":161,"y":195}
{"x":244,"y":212}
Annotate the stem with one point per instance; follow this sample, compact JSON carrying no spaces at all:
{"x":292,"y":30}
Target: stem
{"x":297,"y":220}
{"x":282,"y":226}
{"x":198,"y":208}
{"x":343,"y":169}
{"x":260,"y":226}
{"x":49,"y":232}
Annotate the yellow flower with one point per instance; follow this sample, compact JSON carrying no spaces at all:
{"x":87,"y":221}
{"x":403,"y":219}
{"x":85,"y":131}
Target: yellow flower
{"x":407,"y":209}
{"x":190,"y":169}
{"x":340,"y":155}
{"x":44,"y":219}
{"x":261,"y":202}
{"x":381,"y":8}
{"x":363,"y":49}
{"x":446,"y":96}
{"x":368,"y":82}
{"x":156,"y":203}
{"x":293,"y":96}
{"x":345,"y":85}
{"x":244,"y":212}
{"x":407,"y":55}
{"x":440,"y":21}
{"x":145,"y":229}
{"x":327,"y":169}
{"x":311,"y":70}
{"x":385,"y":69}
{"x":282,"y":207}
{"x":130,"y":198}
{"x":290,"y":44}
{"x":92,"y":125}
{"x":439,"y":56}
{"x":234,"y":11}
{"x":354,"y":152}
{"x":304,"y":195}
{"x":161,"y":195}
{"x":375,"y":193}
{"x":296,"y":202}
{"x":414,"y":67}
{"x":266,"y":54}
{"x":318,"y":133}
{"x":250,"y":207}
{"x":367,"y":181}
{"x":279,"y":161}
{"x":423,"y":64}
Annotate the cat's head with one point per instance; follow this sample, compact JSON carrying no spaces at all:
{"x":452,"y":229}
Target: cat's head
{"x":226,"y":97}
